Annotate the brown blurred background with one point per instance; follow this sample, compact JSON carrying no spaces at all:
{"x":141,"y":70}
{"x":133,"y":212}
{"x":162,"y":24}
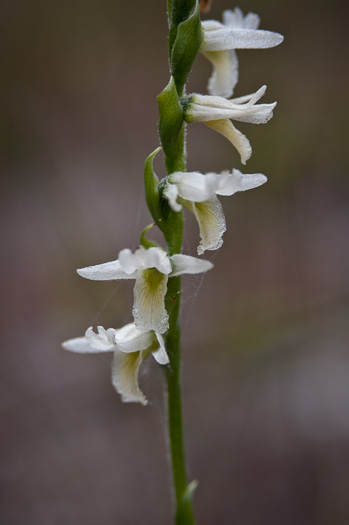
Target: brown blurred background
{"x":266,"y":357}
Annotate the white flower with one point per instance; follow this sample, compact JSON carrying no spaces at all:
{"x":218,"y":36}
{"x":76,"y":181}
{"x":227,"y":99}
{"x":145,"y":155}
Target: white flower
{"x":216,"y":113}
{"x":151,"y":268}
{"x":221,"y":40}
{"x":130,"y":347}
{"x":197,"y":192}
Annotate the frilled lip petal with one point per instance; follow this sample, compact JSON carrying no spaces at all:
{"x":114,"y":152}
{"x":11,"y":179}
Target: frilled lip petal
{"x":212,"y":225}
{"x":225,"y":72}
{"x":105,"y":272}
{"x":149,"y":301}
{"x":187,"y":264}
{"x":125,"y":370}
{"x":239,"y":38}
{"x":226,"y":128}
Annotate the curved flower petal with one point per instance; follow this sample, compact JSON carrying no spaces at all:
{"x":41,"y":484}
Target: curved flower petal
{"x":125,"y":369}
{"x":187,"y":264}
{"x":105,"y":272}
{"x":160,"y":354}
{"x":194,"y":186}
{"x":212,"y":224}
{"x":130,"y":339}
{"x":149,"y":301}
{"x":225,"y":72}
{"x":239,"y":140}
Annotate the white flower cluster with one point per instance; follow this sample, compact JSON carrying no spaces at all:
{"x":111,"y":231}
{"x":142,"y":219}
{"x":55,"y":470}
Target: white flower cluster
{"x":152,"y":267}
{"x":198,"y":192}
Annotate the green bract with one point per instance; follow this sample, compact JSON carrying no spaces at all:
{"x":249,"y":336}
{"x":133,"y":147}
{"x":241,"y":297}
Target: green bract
{"x":185,"y":48}
{"x":171,"y":127}
{"x":178,"y":11}
{"x":151,"y":187}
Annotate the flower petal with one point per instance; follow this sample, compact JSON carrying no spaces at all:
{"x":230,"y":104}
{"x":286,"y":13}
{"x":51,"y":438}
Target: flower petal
{"x":160,"y":354}
{"x":155,"y":258}
{"x":239,"y":38}
{"x":100,"y":341}
{"x":105,"y":272}
{"x":171,"y":194}
{"x":207,"y":107}
{"x":90,"y":344}
{"x":128,"y":261}
{"x":187,"y":264}
{"x":230,"y":183}
{"x":239,"y":140}
{"x":236,"y":19}
{"x":225,"y":72}
{"x":149,"y":301}
{"x":79,"y":345}
{"x":125,"y":369}
{"x":212,"y":224}
{"x":194,"y":186}
{"x":130,"y":339}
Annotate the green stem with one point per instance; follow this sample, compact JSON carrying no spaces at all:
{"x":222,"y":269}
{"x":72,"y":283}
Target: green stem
{"x":174,"y":396}
{"x":185,"y":38}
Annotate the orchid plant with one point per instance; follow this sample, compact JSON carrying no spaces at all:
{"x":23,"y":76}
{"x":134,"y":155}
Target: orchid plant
{"x":157,"y":270}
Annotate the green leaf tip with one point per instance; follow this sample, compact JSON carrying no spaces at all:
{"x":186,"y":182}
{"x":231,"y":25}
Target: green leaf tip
{"x":147,"y":243}
{"x":151,"y":187}
{"x":184,"y":515}
{"x":186,"y":46}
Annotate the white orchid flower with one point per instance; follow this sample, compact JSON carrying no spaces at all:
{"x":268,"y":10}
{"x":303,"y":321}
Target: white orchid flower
{"x":221,"y":40}
{"x":216,"y":113}
{"x":130,"y":347}
{"x":198,"y":193}
{"x":151,"y":268}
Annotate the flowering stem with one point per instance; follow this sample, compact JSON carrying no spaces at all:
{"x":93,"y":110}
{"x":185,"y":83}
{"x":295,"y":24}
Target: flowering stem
{"x":185,"y":39}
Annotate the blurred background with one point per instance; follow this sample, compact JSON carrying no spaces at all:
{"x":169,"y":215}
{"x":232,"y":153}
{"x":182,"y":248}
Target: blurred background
{"x":265,"y":344}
